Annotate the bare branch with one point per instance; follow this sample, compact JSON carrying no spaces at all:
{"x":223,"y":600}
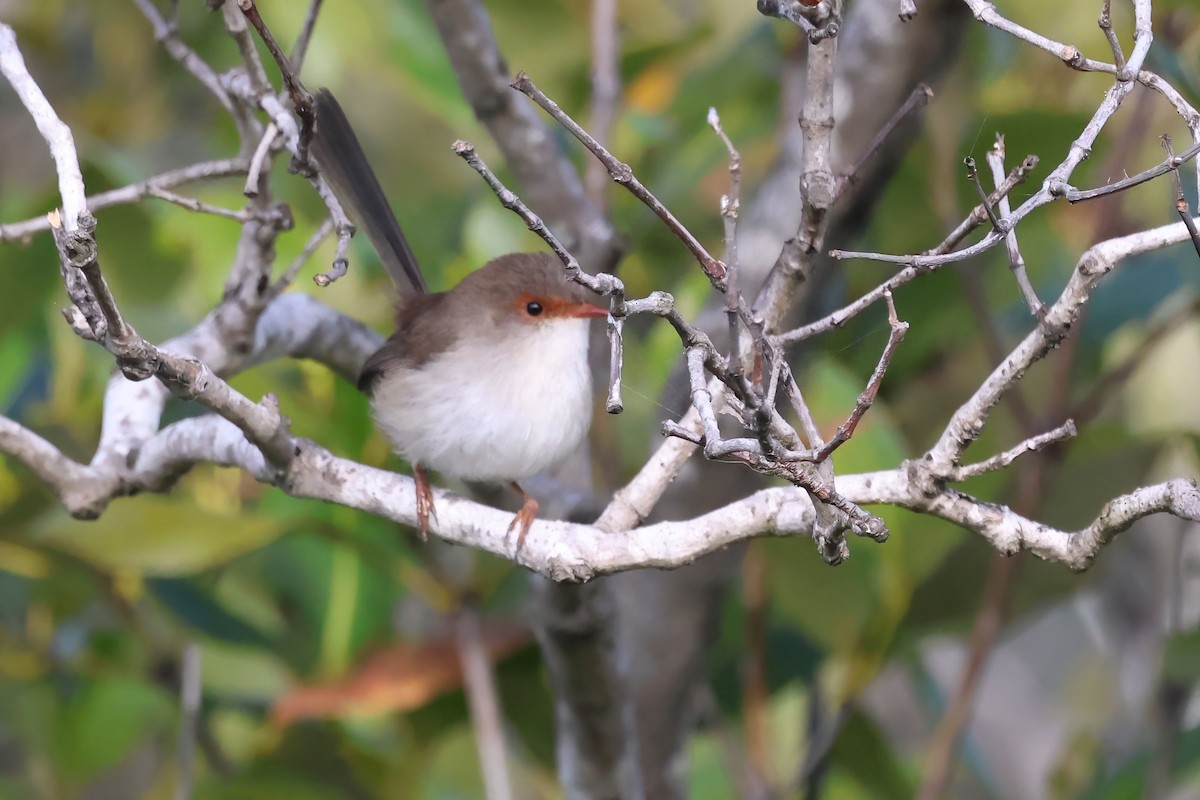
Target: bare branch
{"x":483,"y":702}
{"x":207,"y":170}
{"x":300,"y":48}
{"x":812,"y":18}
{"x":289,"y":275}
{"x":1171,"y":164}
{"x":192,"y":204}
{"x":1002,"y":460}
{"x":168,"y":36}
{"x":976,"y":218}
{"x":606,"y":90}
{"x":258,"y":161}
{"x":730,"y":204}
{"x":1105,"y":23}
{"x":189,"y":718}
{"x":1181,"y":203}
{"x":916,"y":101}
{"x":973,"y":176}
{"x":62,"y":475}
{"x":967,"y":423}
{"x":846,"y":429}
{"x":623,"y":175}
{"x":565,"y":551}
{"x":56,"y":133}
{"x":235,"y":24}
{"x":547,"y":178}
{"x":1016,"y":262}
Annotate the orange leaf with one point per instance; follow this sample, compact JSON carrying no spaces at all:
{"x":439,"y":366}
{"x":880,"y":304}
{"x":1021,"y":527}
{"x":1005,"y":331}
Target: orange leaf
{"x":402,"y":677}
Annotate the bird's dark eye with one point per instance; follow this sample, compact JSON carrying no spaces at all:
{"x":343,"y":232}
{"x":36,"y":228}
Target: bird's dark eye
{"x":533,"y":308}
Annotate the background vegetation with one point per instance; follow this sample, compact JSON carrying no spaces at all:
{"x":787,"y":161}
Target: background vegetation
{"x":328,"y":668}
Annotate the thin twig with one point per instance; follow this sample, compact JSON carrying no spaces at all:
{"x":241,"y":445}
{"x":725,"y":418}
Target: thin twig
{"x":168,"y":36}
{"x":730,"y":204}
{"x":258,"y":161}
{"x":917,"y":100}
{"x":300,"y":48}
{"x":796,"y":397}
{"x":1171,"y":164}
{"x":1001,"y":460}
{"x":1105,"y":23}
{"x":980,"y":213}
{"x":973,"y":220}
{"x":289,"y":275}
{"x":235,"y":24}
{"x":601,"y":284}
{"x":190,"y":688}
{"x":207,"y":170}
{"x":56,"y":133}
{"x":973,"y":176}
{"x":606,"y":89}
{"x":1181,"y":203}
{"x":1016,"y":262}
{"x":823,"y":25}
{"x":483,"y":702}
{"x":897,"y":329}
{"x":623,"y":174}
{"x":302,"y":101}
{"x":192,"y":204}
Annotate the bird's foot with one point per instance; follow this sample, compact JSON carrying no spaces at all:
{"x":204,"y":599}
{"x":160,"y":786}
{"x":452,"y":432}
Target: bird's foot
{"x":524,"y":517}
{"x":425,"y":508}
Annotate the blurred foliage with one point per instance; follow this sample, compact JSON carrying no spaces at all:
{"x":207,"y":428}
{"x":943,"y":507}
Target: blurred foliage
{"x":287,"y":597}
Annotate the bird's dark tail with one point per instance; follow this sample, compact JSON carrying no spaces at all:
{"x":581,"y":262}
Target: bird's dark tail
{"x":344,"y":165}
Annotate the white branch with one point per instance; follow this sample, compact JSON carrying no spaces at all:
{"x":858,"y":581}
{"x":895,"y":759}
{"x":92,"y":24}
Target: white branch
{"x":967,"y":423}
{"x":56,"y":133}
{"x":566,"y":551}
{"x":134,"y":454}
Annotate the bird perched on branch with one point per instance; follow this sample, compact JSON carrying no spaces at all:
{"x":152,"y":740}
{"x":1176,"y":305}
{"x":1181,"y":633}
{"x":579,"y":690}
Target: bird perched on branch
{"x":488,"y":381}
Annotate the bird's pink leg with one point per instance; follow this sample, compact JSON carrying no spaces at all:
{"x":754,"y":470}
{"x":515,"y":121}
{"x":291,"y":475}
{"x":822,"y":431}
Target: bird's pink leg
{"x":425,"y":507}
{"x":524,"y":517}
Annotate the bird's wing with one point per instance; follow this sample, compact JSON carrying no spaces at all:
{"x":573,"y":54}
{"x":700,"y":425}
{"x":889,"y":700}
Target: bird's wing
{"x":418,"y":339}
{"x":344,"y":165}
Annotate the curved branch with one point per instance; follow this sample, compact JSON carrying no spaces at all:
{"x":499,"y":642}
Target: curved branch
{"x":206,"y":170}
{"x":550,"y":183}
{"x":565,"y":551}
{"x":967,"y":423}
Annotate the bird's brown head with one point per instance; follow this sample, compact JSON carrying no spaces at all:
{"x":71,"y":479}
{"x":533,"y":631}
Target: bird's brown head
{"x":526,"y":289}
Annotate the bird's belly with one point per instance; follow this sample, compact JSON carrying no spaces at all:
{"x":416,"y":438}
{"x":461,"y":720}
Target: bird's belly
{"x":491,"y":426}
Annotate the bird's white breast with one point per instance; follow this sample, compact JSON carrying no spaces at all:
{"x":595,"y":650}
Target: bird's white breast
{"x":489,"y":410}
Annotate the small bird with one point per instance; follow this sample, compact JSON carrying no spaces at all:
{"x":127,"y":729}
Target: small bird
{"x":486,"y":382}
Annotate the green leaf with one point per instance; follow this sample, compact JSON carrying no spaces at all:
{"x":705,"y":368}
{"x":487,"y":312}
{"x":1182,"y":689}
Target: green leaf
{"x":155,"y":535}
{"x":200,"y":610}
{"x":275,"y":784}
{"x":1152,"y":393}
{"x":862,"y":752}
{"x":101,"y":724}
{"x":707,"y":777}
{"x":1181,"y":660}
{"x":1129,"y":778}
{"x":452,"y":770}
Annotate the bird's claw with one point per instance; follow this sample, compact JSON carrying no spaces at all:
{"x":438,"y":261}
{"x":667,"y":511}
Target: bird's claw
{"x":523,"y":519}
{"x":425,"y":507}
